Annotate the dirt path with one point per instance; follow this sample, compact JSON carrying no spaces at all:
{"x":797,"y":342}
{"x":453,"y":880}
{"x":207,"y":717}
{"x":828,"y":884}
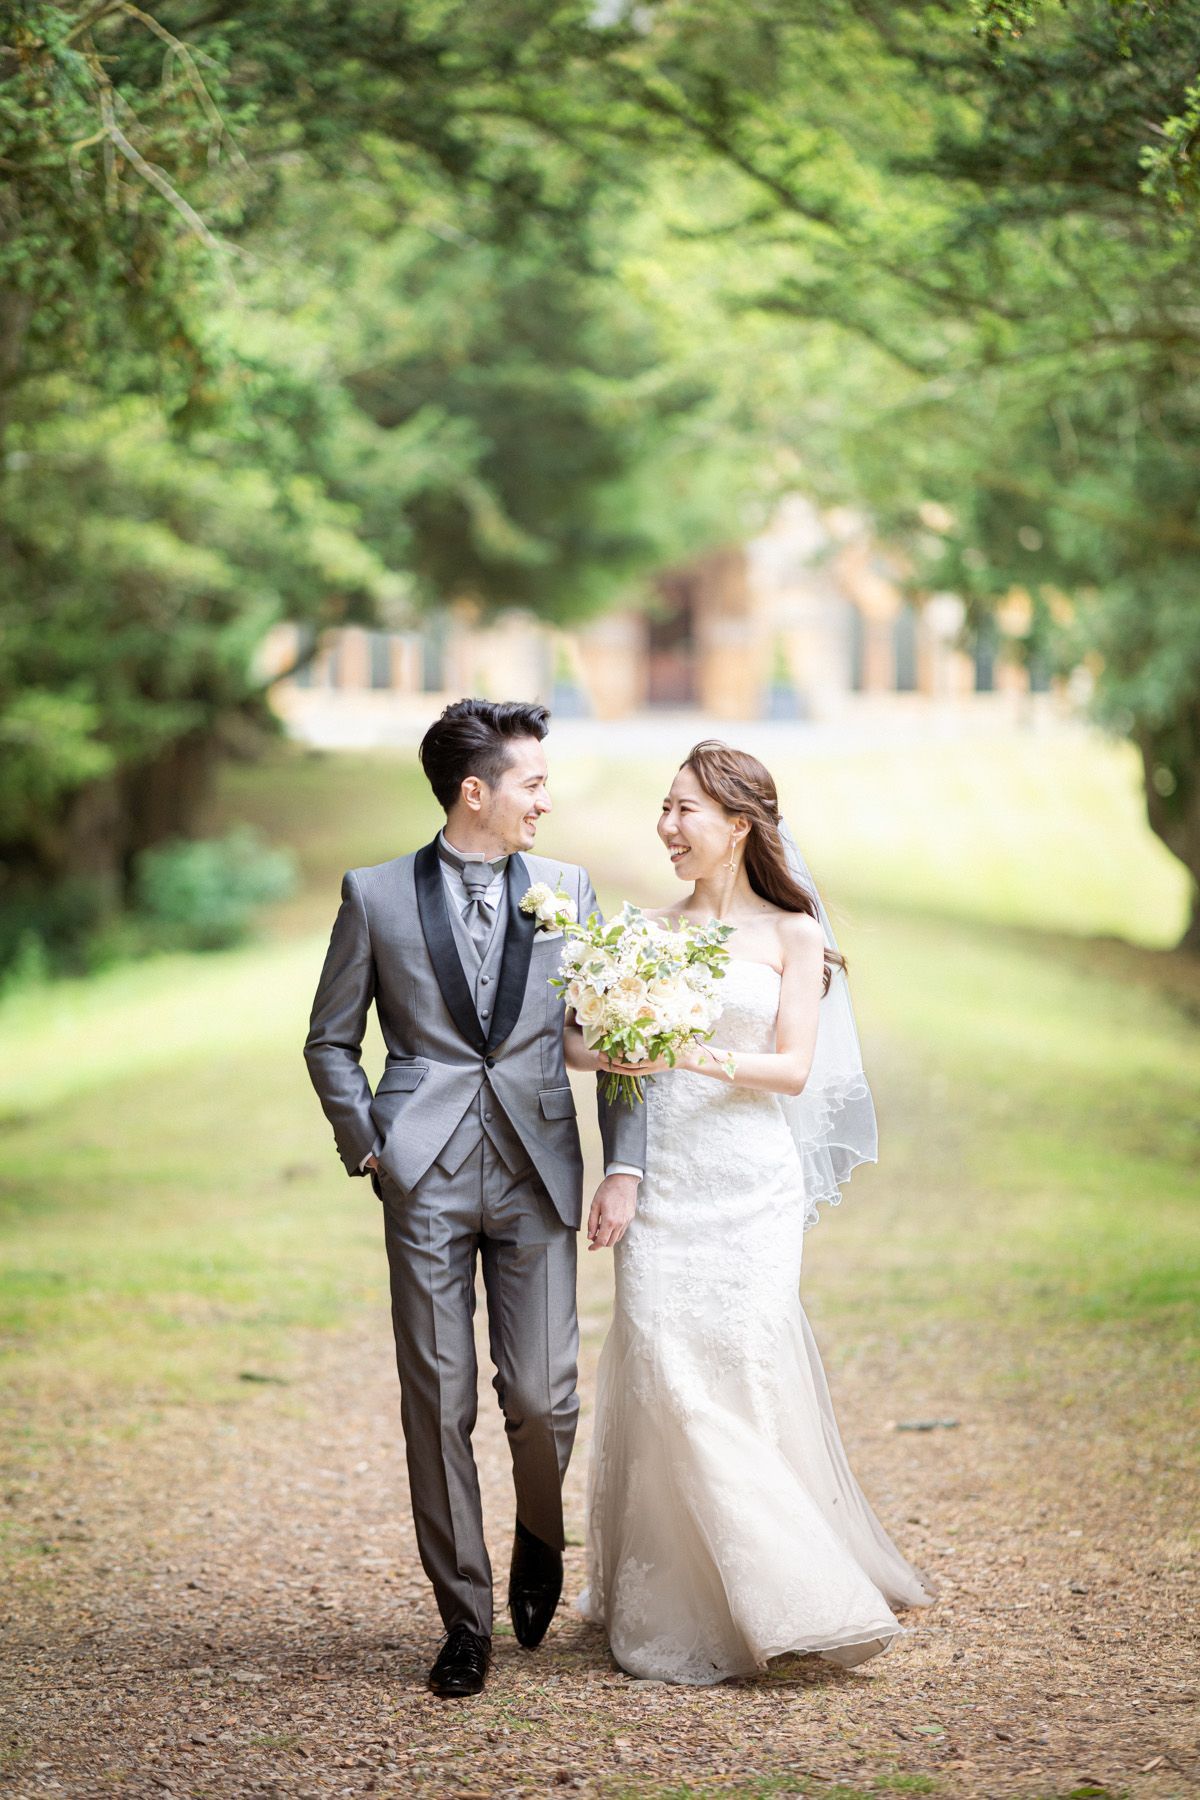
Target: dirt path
{"x":232,"y":1605}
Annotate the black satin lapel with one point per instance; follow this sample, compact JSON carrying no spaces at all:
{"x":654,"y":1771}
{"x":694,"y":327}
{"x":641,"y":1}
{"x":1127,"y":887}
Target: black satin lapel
{"x":514,"y":963}
{"x":443,"y":951}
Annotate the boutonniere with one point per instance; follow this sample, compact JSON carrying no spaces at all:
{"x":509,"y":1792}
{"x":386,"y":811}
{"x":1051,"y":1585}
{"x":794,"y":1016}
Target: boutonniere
{"x":552,"y":910}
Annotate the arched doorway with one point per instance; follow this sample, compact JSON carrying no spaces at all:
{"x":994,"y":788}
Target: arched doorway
{"x":671,"y":642}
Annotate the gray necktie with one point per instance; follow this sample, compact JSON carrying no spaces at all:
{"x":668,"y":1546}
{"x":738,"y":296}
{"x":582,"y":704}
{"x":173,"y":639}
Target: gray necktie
{"x":477,"y":877}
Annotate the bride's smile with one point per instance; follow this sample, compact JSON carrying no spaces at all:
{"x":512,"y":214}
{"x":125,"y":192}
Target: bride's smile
{"x":699,"y":836}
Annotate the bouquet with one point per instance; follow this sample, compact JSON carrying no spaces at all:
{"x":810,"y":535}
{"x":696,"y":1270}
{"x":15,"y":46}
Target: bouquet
{"x":641,"y":989}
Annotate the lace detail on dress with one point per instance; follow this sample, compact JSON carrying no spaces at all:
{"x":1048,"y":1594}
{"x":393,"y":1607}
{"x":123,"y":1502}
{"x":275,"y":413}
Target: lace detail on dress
{"x":725,"y":1525}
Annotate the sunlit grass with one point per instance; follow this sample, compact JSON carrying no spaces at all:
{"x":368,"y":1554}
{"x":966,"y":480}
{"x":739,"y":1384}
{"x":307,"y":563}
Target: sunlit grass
{"x":1040,"y":830}
{"x":173,"y":1216}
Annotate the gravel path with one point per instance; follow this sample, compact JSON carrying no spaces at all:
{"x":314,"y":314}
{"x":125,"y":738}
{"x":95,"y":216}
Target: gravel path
{"x":229,"y":1603}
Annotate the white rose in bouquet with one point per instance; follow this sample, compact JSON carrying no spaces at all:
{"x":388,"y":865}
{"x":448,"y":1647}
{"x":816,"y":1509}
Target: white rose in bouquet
{"x":642,"y":989}
{"x":589,"y":1008}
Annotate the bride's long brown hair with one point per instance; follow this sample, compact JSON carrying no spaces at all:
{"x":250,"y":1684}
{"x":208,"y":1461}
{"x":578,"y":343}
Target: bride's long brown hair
{"x":742,"y":785}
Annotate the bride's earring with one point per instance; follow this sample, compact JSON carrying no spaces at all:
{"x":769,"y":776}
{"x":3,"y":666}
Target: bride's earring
{"x":732,"y":863}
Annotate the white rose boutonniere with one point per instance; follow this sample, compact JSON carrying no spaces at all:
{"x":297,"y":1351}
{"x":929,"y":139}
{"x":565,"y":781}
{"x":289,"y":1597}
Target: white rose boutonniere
{"x":552,"y":909}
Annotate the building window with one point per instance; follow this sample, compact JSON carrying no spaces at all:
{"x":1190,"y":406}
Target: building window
{"x":1039,"y":675}
{"x":904,"y":647}
{"x":305,"y":676}
{"x":856,"y":648}
{"x":433,"y":655}
{"x":379,"y":659}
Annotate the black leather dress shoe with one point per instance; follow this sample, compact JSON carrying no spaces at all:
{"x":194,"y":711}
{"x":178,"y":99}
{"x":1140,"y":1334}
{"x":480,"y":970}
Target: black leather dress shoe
{"x":462,"y":1664}
{"x":534,"y":1586}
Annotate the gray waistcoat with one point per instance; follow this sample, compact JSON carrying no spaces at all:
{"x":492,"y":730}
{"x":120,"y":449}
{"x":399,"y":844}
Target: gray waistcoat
{"x":484,"y":1114}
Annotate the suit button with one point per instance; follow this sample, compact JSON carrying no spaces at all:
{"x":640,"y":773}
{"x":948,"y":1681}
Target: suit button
{"x":485,"y":981}
{"x":487,"y":1118}
{"x":484,"y":1013}
{"x":489,"y":1062}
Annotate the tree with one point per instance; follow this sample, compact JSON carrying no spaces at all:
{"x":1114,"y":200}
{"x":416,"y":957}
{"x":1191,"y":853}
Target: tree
{"x":297,"y":321}
{"x":994,"y":206}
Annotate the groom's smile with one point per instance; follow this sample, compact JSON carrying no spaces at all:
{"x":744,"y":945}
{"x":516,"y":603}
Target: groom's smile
{"x":513,"y":807}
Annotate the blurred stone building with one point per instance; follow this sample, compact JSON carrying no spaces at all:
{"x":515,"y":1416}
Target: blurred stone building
{"x":805,"y":621}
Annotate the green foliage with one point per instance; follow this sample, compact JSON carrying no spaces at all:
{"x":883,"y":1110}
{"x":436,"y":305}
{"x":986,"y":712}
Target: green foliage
{"x":104,"y":265}
{"x":336,"y":315}
{"x":202,"y":895}
{"x":981,"y":228}
{"x":298,"y":319}
{"x":50,"y":931}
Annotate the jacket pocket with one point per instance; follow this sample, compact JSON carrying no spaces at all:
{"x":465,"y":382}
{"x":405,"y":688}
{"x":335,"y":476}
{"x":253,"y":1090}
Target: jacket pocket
{"x":557,"y":1103}
{"x":401,"y":1078}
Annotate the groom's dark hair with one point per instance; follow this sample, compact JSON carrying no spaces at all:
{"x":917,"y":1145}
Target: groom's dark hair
{"x":472,"y":737}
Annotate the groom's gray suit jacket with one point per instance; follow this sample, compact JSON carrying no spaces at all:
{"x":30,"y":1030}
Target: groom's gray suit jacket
{"x":462,"y":1033}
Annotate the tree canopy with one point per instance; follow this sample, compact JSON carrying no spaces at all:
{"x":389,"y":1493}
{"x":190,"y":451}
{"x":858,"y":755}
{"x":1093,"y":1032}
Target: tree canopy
{"x":327,"y":312}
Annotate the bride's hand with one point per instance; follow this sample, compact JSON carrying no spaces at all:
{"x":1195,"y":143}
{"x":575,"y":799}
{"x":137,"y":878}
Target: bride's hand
{"x":608,"y":1067}
{"x":694,"y":1059}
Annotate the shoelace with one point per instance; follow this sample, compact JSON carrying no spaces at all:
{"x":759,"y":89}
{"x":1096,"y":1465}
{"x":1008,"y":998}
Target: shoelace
{"x":463,"y":1639}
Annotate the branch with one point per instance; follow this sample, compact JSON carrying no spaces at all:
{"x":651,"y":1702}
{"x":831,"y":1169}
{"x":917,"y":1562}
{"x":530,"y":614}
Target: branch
{"x":178,"y":48}
{"x":91,"y":18}
{"x":1172,"y":531}
{"x":154,"y":175}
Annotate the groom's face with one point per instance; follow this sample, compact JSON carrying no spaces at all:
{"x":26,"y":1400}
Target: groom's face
{"x":511,"y":809}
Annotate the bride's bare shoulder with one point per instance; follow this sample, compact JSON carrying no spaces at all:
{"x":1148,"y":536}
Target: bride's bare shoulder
{"x":662,"y":912}
{"x":799,"y":934}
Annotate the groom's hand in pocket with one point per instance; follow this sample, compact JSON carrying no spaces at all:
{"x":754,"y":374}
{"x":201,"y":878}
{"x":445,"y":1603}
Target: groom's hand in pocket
{"x":612,"y":1210}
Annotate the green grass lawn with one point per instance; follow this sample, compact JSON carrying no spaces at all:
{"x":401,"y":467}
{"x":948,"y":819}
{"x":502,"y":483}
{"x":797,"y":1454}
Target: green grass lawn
{"x":174,"y":1219}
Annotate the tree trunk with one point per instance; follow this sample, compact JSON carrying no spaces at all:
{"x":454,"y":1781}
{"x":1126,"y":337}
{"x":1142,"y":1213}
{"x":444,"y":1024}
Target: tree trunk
{"x":16,"y":311}
{"x":1171,"y":761}
{"x":1191,"y":937}
{"x":168,"y":797}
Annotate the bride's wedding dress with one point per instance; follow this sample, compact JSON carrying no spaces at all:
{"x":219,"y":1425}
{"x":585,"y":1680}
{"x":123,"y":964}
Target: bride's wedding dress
{"x":725,"y":1525}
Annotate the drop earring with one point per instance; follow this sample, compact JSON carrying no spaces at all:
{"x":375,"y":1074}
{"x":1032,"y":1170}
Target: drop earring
{"x":732,"y":863}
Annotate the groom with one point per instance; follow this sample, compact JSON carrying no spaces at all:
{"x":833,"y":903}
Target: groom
{"x":471,"y":1143}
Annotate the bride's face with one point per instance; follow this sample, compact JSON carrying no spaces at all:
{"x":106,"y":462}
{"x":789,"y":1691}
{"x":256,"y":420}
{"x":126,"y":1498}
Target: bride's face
{"x":695,"y":829}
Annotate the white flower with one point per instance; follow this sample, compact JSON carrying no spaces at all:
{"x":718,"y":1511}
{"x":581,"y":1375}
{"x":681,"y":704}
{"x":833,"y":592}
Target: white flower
{"x":560,"y":911}
{"x":550,"y":907}
{"x":589,"y":1010}
{"x":634,"y":971}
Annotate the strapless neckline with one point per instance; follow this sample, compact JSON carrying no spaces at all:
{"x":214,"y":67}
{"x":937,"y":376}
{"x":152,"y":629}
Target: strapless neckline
{"x":747,"y":962}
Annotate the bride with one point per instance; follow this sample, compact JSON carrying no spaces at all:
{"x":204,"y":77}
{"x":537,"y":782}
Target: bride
{"x":725,"y":1526}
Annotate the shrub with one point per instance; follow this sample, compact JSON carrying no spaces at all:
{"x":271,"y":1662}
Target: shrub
{"x":201,"y":894}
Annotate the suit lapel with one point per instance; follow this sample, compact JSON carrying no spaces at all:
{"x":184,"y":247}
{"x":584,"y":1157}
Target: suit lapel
{"x":443,"y":951}
{"x":514,"y":963}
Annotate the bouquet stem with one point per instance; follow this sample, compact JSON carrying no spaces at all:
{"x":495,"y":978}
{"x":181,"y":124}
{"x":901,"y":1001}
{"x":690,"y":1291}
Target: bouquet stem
{"x":629,"y":1088}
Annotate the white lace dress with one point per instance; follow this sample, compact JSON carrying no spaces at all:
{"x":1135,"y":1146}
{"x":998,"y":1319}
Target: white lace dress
{"x":724,"y":1523}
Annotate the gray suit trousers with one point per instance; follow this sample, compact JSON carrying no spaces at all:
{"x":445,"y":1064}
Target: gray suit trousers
{"x":434,"y":1233}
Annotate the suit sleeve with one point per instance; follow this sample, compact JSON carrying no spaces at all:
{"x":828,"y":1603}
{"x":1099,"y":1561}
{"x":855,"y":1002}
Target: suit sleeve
{"x":333,"y":1048}
{"x":622,"y":1124}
